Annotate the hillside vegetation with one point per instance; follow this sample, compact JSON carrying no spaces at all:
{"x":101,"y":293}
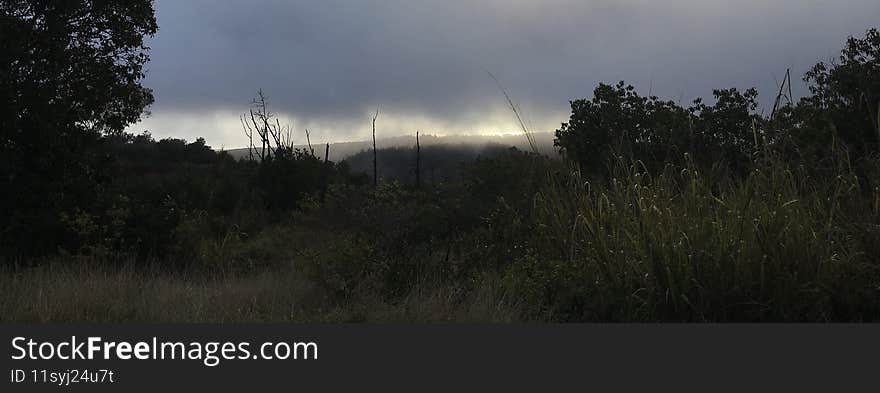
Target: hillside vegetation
{"x":653,"y":212}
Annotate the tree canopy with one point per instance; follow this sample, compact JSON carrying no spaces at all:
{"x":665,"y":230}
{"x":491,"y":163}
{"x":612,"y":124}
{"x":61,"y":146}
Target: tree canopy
{"x":843,"y":106}
{"x":70,"y":71}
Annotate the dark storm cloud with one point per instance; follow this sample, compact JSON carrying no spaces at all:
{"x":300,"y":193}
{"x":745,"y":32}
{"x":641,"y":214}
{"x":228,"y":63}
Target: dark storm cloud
{"x":327,"y":63}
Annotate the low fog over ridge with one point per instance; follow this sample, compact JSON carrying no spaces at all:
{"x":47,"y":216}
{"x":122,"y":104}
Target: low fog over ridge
{"x":343,"y":150}
{"x":326,"y":68}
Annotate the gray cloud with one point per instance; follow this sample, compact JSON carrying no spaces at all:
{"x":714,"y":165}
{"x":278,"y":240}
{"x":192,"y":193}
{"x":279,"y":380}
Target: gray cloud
{"x":326,"y":64}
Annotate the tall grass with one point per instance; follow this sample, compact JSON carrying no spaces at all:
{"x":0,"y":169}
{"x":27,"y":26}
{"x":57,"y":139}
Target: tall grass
{"x":779,"y":244}
{"x":62,"y":291}
{"x":517,"y":113}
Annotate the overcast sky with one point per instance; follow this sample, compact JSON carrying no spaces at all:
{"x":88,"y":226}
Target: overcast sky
{"x":326,"y":64}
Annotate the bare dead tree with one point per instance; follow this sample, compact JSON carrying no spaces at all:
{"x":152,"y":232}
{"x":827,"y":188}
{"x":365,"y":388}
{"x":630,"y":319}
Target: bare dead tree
{"x":275,"y":139}
{"x":309,"y":142}
{"x":375,"y":170}
{"x":418,"y":162}
{"x":249,"y":132}
{"x":786,"y":81}
{"x":260,"y":133}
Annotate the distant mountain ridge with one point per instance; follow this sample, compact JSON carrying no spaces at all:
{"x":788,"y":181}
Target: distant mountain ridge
{"x":342,"y":150}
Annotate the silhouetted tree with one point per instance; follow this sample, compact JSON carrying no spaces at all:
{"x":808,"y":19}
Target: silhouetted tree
{"x":728,"y":130}
{"x":70,"y":71}
{"x":275,"y":140}
{"x":375,"y":170}
{"x":418,"y":162}
{"x":618,"y":121}
{"x":848,"y":91}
